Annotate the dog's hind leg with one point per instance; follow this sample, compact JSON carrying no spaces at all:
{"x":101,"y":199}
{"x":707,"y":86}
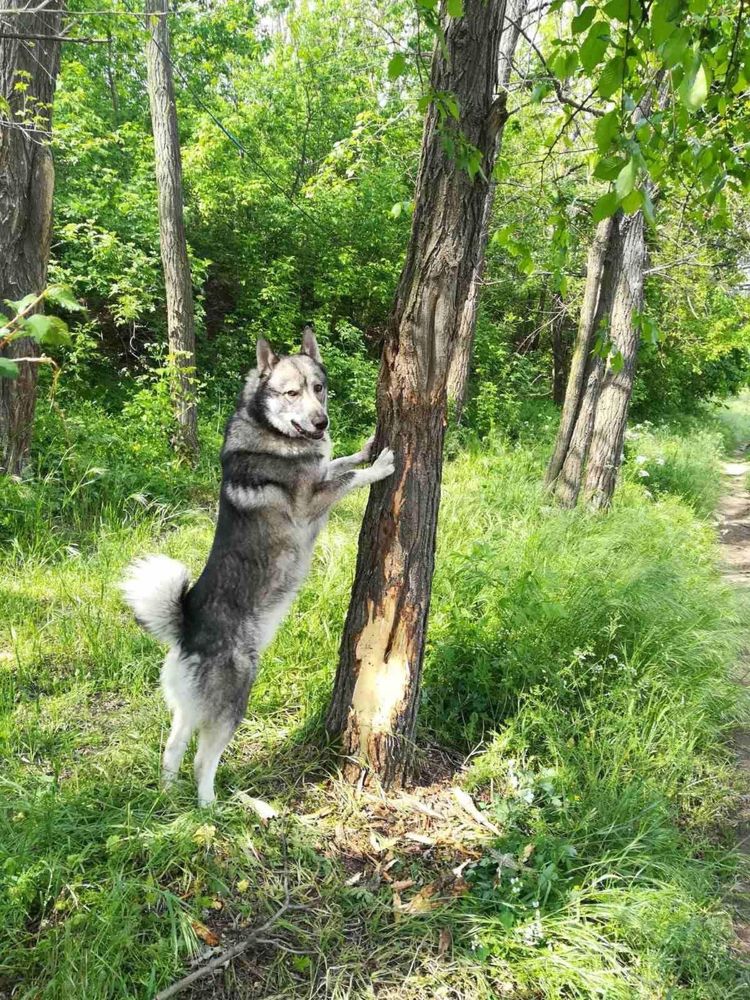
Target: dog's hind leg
{"x":174,"y":751}
{"x":212,"y":742}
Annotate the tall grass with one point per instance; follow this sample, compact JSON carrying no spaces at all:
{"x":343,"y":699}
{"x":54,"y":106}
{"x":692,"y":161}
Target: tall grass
{"x":583,"y":661}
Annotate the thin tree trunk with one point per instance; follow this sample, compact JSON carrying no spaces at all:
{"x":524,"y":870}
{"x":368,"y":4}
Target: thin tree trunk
{"x":579,"y":365}
{"x":26,"y":186}
{"x":458,"y":375}
{"x":376,"y":692}
{"x":568,"y":482}
{"x":560,"y":351}
{"x":611,"y":418}
{"x":111,"y":78}
{"x":174,"y":255}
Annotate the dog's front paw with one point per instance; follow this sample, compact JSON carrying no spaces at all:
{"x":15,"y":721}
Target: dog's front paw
{"x":365,"y":452}
{"x":384,"y":464}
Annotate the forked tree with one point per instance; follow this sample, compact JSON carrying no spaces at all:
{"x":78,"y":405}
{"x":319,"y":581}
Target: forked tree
{"x":374,"y":704}
{"x":588,"y":448}
{"x":29,"y":62}
{"x":174,"y":254}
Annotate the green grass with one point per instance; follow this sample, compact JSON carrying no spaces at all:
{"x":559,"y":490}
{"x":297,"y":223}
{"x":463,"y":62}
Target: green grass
{"x":581,"y":662}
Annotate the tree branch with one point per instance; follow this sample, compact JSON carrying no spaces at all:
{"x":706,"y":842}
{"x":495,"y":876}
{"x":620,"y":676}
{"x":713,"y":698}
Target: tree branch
{"x":25,"y":36}
{"x":561,"y":95}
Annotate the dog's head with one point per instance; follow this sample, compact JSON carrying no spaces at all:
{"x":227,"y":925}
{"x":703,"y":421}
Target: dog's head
{"x":292,"y":391}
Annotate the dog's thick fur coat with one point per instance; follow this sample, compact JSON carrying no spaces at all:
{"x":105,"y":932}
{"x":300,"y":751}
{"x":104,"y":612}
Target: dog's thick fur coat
{"x":278,"y":484}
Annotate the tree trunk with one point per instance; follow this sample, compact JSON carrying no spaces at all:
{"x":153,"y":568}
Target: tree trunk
{"x":458,"y":374}
{"x":560,"y":352}
{"x":174,"y":255}
{"x":374,"y":703}
{"x":568,"y":482}
{"x":579,"y":365}
{"x":617,"y":383}
{"x":26,"y":186}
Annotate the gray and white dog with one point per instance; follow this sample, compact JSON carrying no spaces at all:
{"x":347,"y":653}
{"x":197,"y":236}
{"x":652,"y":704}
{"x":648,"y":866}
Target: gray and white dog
{"x":278,"y":485}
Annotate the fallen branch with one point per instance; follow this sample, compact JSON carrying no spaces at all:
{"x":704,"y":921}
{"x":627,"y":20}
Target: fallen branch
{"x":256,"y":937}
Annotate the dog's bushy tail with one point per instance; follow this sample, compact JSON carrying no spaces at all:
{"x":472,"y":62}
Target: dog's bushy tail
{"x":154,"y":587}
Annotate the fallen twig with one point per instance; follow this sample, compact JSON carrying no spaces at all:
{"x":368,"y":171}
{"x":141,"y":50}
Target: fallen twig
{"x":256,"y":937}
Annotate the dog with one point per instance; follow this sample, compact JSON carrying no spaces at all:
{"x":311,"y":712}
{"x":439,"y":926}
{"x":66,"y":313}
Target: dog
{"x":278,"y":485}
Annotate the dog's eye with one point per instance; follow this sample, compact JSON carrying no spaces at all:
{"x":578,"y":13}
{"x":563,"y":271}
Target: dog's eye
{"x":318,"y":387}
{"x":292,"y":393}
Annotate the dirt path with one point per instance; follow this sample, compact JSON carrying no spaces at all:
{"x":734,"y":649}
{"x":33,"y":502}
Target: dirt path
{"x":734,"y":534}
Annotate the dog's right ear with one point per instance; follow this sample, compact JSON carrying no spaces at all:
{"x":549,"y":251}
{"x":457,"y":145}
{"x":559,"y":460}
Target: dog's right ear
{"x":266,"y":358}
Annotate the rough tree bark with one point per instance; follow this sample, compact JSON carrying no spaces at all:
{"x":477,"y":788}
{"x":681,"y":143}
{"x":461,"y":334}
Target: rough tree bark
{"x":608,"y":434}
{"x":594,"y":448}
{"x":26,"y":186}
{"x":375,"y":697}
{"x":578,"y":376}
{"x":458,"y":374}
{"x":174,"y":255}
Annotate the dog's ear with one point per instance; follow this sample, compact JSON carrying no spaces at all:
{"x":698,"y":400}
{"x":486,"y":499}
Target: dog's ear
{"x":310,"y":344}
{"x":266,"y":358}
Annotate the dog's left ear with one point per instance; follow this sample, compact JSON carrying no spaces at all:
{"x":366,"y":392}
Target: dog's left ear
{"x":266,"y":357}
{"x":310,"y":344}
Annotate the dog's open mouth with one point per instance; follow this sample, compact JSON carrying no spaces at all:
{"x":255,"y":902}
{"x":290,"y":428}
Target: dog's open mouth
{"x":315,"y":435}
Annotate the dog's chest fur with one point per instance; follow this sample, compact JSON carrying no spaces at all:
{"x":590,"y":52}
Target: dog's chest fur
{"x":265,"y":533}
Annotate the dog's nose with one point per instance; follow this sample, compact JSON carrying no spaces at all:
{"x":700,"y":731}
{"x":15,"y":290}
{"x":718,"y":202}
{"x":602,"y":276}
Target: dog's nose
{"x":321,"y":423}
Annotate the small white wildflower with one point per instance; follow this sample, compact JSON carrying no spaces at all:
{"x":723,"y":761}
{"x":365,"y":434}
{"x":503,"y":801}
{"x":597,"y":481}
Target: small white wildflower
{"x":643,"y":473}
{"x":640,"y":459}
{"x":661,"y":460}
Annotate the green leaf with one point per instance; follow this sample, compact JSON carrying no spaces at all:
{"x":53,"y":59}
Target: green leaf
{"x":503,"y":237}
{"x":8,"y":368}
{"x":648,"y":207}
{"x":540,"y":91}
{"x":594,"y":45}
{"x":611,"y":79}
{"x":693,"y":90}
{"x":49,"y":330}
{"x":626,"y":180}
{"x":675,"y":48}
{"x":396,"y":66}
{"x":20,"y":304}
{"x":663,"y":19}
{"x":623,"y":10}
{"x":632,"y":202}
{"x":455,"y":8}
{"x":397,"y":209}
{"x":608,"y":168}
{"x":451,"y":106}
{"x":581,"y":21}
{"x":617,"y":362}
{"x":606,"y":205}
{"x":565,"y":63}
{"x":606,"y":129}
{"x":63,"y":296}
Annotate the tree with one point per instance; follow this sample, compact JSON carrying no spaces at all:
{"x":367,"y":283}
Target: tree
{"x":174,"y":254}
{"x":29,"y":62}
{"x":458,"y":374}
{"x":624,"y":305}
{"x":376,"y":691}
{"x":582,"y":378}
{"x":560,"y":348}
